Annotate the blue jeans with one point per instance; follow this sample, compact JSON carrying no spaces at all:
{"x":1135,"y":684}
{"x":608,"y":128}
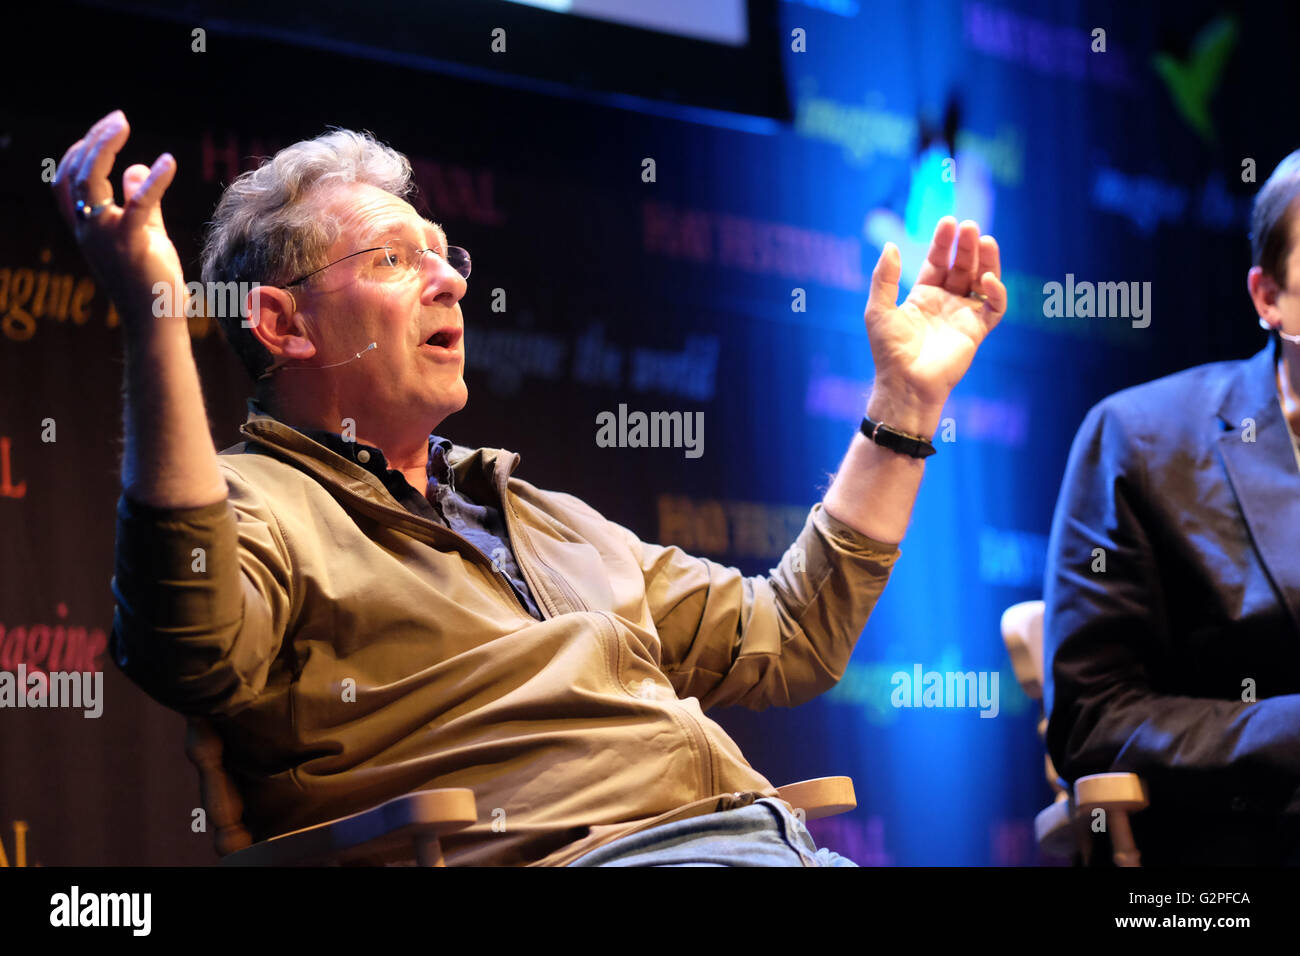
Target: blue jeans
{"x":765,"y":833}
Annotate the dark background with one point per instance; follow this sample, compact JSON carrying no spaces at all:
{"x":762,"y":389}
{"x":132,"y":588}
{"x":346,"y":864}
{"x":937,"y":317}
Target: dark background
{"x":1078,"y":162}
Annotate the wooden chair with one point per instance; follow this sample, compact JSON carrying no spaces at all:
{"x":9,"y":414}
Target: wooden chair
{"x":404,"y":828}
{"x":1064,"y":828}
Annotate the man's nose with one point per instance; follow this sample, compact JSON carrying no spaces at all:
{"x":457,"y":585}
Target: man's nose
{"x":441,"y":280}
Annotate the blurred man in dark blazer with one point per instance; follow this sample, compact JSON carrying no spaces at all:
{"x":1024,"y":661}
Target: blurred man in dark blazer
{"x":1172,"y":628}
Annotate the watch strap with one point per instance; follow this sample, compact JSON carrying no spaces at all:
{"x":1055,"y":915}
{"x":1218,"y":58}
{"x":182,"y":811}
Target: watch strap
{"x":914,"y":446}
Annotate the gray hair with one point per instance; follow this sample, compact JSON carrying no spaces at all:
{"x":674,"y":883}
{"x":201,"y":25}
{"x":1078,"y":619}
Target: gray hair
{"x":268,"y":227}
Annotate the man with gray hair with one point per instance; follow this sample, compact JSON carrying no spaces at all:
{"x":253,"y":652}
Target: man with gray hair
{"x":363,"y":609}
{"x":1172,"y":625}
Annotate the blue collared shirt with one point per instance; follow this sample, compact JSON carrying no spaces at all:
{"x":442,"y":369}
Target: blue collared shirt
{"x":481,"y":525}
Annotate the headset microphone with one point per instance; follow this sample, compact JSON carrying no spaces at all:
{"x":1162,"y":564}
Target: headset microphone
{"x":317,"y":368}
{"x":372,"y":345}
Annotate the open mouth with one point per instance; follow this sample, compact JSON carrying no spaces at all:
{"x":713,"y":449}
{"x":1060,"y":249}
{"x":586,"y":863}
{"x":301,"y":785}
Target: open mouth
{"x":446,"y":339}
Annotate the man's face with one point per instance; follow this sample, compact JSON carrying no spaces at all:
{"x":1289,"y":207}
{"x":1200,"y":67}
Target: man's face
{"x":351,"y":304}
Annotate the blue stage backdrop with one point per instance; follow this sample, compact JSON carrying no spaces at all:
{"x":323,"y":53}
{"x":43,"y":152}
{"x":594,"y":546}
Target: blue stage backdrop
{"x":645,"y":257}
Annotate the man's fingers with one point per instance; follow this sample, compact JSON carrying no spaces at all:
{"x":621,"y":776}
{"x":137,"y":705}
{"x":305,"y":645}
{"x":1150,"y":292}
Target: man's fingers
{"x":82,"y":154}
{"x":884,"y":279}
{"x":995,"y":298}
{"x":935,"y":268}
{"x":990,"y":258}
{"x":143,"y":202}
{"x":62,"y":173}
{"x":92,"y":176}
{"x":965,"y":267}
{"x":132,"y":177}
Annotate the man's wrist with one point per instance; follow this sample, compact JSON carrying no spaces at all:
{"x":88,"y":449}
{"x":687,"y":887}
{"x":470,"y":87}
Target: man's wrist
{"x":904,"y":412}
{"x":154,"y":336}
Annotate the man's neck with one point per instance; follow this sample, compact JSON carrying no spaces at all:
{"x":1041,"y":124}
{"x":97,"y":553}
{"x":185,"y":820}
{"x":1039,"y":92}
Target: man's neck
{"x":407,"y":451}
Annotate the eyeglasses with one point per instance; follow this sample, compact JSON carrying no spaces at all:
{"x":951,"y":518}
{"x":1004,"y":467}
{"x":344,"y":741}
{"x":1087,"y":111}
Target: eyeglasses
{"x":396,"y":259}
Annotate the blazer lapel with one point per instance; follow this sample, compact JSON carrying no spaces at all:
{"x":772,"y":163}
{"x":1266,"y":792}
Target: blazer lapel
{"x":1263,"y":473}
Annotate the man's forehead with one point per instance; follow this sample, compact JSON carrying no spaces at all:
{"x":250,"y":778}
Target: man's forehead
{"x":372,"y":213}
{"x":383,"y":225}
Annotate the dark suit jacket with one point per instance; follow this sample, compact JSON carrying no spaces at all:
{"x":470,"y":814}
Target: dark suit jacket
{"x":1147,"y":662}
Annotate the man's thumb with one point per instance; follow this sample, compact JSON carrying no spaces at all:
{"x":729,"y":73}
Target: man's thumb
{"x":884,"y":278}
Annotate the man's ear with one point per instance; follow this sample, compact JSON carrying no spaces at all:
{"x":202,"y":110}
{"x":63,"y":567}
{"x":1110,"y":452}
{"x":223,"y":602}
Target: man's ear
{"x":1264,"y":290}
{"x":272,"y":315}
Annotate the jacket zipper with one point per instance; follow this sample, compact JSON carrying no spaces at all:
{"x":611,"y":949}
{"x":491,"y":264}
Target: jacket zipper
{"x":693,"y":728}
{"x":518,"y":534}
{"x":706,"y":750}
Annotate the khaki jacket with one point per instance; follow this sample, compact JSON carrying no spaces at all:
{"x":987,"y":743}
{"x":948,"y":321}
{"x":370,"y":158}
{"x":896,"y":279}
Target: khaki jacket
{"x":349,"y":651}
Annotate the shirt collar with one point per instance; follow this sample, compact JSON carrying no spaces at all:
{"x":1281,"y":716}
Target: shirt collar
{"x":373,"y":460}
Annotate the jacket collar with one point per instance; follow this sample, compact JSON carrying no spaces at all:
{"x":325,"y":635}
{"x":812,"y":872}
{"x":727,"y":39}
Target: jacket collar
{"x":1252,"y":390}
{"x":480,"y":472}
{"x":1262,"y":473}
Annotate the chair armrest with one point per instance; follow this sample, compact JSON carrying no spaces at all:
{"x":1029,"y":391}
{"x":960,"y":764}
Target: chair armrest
{"x":1118,"y":795}
{"x":1110,"y":791}
{"x":821,"y":796}
{"x":382,"y":834}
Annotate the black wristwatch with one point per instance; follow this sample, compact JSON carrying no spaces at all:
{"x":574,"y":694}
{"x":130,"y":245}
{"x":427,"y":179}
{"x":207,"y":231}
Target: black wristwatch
{"x":914,"y":446}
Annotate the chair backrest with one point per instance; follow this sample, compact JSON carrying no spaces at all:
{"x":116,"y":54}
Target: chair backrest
{"x":1022,"y":632}
{"x":1060,"y":825}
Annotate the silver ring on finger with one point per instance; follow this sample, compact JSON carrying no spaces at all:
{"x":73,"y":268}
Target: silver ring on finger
{"x":979,"y":295}
{"x":88,"y":210}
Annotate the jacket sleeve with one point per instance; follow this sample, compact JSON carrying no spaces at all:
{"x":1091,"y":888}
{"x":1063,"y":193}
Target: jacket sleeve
{"x":202,"y":600}
{"x":779,"y":639}
{"x":1107,"y":643}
